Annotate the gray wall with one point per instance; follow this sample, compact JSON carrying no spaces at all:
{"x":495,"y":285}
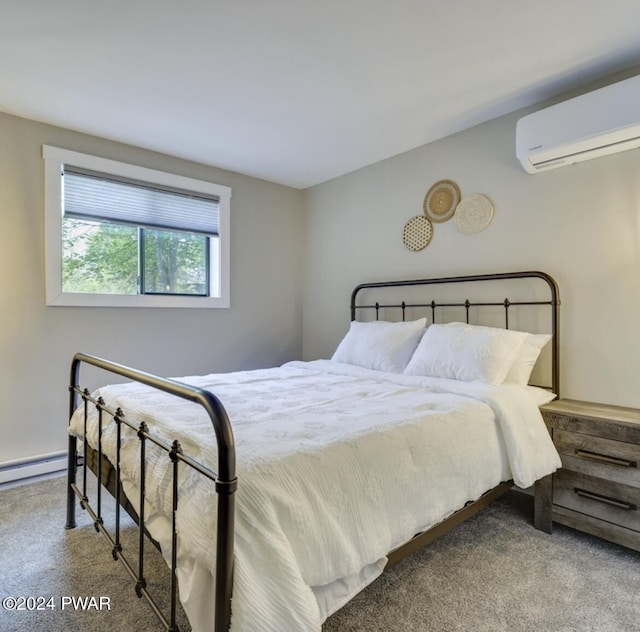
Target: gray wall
{"x":262,"y":328}
{"x":578,"y":223}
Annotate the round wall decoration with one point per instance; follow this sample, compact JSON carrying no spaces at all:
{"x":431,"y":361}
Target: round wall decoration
{"x":474,"y":213}
{"x":441,"y":200}
{"x":417,"y":233}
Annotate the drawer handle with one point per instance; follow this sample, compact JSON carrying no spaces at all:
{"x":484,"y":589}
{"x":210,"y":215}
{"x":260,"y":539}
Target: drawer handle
{"x":605,"y":499}
{"x":604,"y":458}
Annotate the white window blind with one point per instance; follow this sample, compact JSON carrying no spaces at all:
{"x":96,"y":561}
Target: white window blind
{"x":94,"y":195}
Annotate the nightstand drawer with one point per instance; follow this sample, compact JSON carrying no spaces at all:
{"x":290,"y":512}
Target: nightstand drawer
{"x":597,"y":497}
{"x":605,"y":458}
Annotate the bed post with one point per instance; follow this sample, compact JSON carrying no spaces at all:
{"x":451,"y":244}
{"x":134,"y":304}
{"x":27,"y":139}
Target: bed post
{"x":226,"y":485}
{"x":72,"y":453}
{"x":71,"y":480}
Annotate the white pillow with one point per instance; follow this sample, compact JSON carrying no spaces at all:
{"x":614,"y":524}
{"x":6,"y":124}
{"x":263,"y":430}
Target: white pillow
{"x":470,"y":353}
{"x":380,"y":345}
{"x":526,"y":359}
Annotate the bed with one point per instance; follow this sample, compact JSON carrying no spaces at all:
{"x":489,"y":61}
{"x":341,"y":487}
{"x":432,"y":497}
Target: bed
{"x":344,"y":466}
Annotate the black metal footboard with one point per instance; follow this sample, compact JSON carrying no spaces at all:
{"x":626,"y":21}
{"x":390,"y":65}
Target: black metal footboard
{"x":225,"y":481}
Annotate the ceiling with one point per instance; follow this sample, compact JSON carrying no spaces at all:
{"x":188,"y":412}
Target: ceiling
{"x":299,"y":91}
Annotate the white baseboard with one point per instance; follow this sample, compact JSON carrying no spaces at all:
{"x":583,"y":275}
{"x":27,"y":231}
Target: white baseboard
{"x":33,"y":466}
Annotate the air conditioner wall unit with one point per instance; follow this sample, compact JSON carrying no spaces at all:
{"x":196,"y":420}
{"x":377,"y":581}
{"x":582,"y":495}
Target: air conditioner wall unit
{"x":598,"y":123}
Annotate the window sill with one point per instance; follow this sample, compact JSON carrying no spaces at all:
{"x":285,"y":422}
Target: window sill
{"x":118,"y":300}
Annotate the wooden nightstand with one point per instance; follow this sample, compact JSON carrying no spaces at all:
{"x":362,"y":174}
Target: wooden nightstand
{"x":597,"y":490}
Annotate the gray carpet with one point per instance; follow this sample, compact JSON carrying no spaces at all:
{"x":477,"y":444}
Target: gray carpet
{"x":39,"y":557}
{"x":494,"y":573}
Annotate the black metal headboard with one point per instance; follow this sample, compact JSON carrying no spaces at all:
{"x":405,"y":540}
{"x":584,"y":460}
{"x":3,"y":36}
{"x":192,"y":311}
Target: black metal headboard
{"x":433,"y":306}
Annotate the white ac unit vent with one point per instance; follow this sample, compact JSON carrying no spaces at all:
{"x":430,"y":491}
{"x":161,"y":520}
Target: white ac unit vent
{"x":602,"y":122}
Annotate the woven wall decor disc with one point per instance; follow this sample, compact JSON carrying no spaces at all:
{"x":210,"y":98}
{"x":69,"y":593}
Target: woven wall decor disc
{"x":441,"y":200}
{"x":417,"y":233}
{"x":474,"y":213}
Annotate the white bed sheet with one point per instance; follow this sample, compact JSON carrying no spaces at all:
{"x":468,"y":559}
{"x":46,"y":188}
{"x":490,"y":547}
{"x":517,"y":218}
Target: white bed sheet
{"x":337,"y":465}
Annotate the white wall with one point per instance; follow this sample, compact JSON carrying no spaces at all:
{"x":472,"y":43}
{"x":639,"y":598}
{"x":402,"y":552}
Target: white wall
{"x":579,"y":223}
{"x":262,"y":328}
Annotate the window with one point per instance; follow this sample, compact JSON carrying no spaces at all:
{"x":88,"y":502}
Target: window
{"x":121,"y":235}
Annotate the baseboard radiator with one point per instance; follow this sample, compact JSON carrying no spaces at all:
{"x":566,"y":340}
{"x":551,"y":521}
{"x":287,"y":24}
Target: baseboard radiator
{"x":32,"y":466}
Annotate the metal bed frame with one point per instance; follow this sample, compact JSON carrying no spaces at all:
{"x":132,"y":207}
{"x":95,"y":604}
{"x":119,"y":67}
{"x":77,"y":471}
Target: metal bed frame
{"x":108,"y":474}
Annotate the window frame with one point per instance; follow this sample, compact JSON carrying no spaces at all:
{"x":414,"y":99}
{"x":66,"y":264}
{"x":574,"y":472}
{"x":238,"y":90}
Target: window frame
{"x":219,"y":250}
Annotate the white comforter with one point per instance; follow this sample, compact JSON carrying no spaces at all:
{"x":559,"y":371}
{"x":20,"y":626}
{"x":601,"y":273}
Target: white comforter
{"x":337,"y":465}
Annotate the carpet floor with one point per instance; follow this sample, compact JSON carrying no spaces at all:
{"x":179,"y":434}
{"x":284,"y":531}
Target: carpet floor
{"x":494,"y":573}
